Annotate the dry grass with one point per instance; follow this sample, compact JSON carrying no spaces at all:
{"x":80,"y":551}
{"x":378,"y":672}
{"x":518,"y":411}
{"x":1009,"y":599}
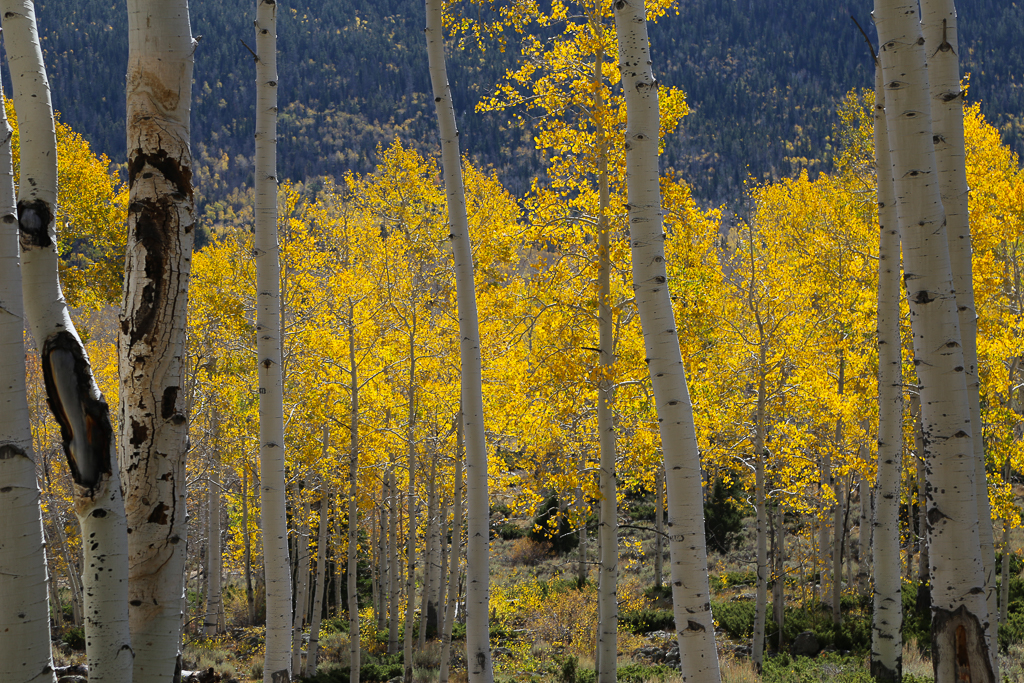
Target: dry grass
{"x":737,"y":670}
{"x":914,"y":661}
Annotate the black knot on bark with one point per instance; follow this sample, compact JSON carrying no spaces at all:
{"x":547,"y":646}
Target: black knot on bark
{"x":923,"y":297}
{"x":34,"y":220}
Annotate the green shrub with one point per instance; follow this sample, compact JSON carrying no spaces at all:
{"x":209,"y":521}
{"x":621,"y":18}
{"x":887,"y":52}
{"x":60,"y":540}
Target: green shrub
{"x":827,"y":667}
{"x":510,"y":532}
{"x":643,"y":673}
{"x":735,"y":618}
{"x":646,"y":620}
{"x":75,"y":638}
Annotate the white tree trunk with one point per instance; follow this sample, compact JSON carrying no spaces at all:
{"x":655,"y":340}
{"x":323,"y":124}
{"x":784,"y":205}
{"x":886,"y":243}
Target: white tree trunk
{"x":76,"y":401}
{"x":353,"y":503}
{"x":410,"y":543}
{"x":887,"y":615}
{"x":301,"y":580}
{"x":321,"y":574}
{"x":760,"y":505}
{"x":960,"y":617}
{"x":659,"y":523}
{"x":24,"y":612}
{"x":691,"y":595}
{"x":608,"y":627}
{"x":478,"y":651}
{"x":214,"y":620}
{"x":277,"y":660}
{"x":939,"y":26}
{"x":453,"y":560}
{"x":151,"y":342}
{"x":394,"y":571}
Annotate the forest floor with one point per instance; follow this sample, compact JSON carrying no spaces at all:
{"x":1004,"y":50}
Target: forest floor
{"x":543,"y":622}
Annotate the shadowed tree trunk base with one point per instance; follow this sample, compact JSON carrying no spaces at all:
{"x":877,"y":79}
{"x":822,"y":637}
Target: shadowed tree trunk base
{"x":961,"y":633}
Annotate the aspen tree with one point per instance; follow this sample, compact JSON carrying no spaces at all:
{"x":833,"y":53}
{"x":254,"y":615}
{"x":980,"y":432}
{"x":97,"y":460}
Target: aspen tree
{"x":690,"y":590}
{"x":939,"y":28}
{"x":411,"y":500}
{"x":77,"y":404}
{"x":887,"y":613}
{"x":353,"y":503}
{"x":321,"y":574}
{"x":214,"y":617}
{"x":453,"y":558}
{"x":153,"y":413}
{"x":277,"y":664}
{"x":478,"y":651}
{"x":959,"y":610}
{"x":301,"y":575}
{"x":24,"y":628}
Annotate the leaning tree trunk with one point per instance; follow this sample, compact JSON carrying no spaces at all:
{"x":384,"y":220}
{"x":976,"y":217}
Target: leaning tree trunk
{"x":690,"y":591}
{"x":24,"y":612}
{"x":273,"y":520}
{"x":887,"y":615}
{"x":151,"y":341}
{"x":939,"y":26}
{"x":959,"y":608}
{"x":659,"y":523}
{"x":478,"y":651}
{"x":72,"y":394}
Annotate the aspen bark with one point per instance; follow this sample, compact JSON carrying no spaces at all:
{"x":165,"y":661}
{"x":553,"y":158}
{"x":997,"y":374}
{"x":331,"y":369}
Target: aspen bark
{"x":659,"y":523}
{"x":410,"y":543}
{"x":608,"y":626}
{"x":213,"y":622}
{"x":394,"y":571}
{"x":478,"y":651}
{"x":301,"y":580}
{"x":79,"y":408}
{"x":351,"y":564}
{"x":887,"y":600}
{"x":273,"y":524}
{"x":960,"y":618}
{"x":321,"y":574}
{"x":939,"y":27}
{"x":250,"y":598}
{"x":779,"y":572}
{"x":582,"y":512}
{"x":691,"y":594}
{"x":453,"y":560}
{"x":24,"y":627}
{"x":760,"y":504}
{"x":151,"y":341}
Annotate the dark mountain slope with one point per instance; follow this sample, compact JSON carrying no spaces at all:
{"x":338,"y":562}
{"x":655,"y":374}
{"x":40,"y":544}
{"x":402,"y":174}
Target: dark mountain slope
{"x":763,"y":79}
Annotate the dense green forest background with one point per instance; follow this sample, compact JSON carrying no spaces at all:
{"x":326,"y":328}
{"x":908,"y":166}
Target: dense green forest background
{"x":762,"y":78}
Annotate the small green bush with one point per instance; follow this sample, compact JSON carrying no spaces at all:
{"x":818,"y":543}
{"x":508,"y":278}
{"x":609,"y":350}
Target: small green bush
{"x":827,"y":667}
{"x":646,"y":620}
{"x":510,"y":532}
{"x":75,"y":638}
{"x":735,"y":618}
{"x":643,"y":673}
